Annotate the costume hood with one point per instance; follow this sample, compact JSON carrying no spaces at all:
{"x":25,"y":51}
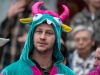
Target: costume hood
{"x":39,"y":16}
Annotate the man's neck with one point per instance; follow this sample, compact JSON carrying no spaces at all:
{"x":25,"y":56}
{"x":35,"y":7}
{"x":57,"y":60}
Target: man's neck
{"x":94,"y":10}
{"x":43,"y":59}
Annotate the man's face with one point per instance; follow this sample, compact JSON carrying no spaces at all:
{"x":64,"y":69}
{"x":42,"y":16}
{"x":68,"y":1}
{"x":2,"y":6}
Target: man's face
{"x":83,"y":41}
{"x":44,"y":38}
{"x":97,"y":57}
{"x":94,"y":3}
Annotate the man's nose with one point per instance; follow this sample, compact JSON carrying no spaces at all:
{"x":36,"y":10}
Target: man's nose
{"x":95,"y":63}
{"x":43,"y":36}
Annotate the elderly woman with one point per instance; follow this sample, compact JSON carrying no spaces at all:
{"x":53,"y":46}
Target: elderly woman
{"x":81,"y":60}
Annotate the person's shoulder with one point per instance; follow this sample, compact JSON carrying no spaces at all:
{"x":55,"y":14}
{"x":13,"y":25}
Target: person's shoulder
{"x":10,"y":69}
{"x":79,"y":15}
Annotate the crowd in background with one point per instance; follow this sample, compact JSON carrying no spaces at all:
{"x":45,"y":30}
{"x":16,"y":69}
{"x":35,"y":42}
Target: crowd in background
{"x":80,"y":45}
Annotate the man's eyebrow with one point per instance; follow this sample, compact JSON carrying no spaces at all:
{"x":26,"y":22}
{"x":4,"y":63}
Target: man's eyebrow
{"x":38,"y":28}
{"x":50,"y":30}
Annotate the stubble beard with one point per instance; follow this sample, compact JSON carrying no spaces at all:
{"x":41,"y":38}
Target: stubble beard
{"x":42,"y":51}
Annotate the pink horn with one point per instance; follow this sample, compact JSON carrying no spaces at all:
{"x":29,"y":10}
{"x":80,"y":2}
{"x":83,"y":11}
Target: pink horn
{"x":36,"y":7}
{"x":65,"y":14}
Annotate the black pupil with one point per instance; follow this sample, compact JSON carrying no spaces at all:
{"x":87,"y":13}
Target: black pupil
{"x":36,"y":15}
{"x":59,"y":19}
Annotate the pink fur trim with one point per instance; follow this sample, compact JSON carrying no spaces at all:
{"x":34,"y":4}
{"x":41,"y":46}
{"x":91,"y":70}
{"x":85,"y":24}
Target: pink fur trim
{"x":95,"y":72}
{"x":50,"y":12}
{"x":36,"y":71}
{"x":53,"y":71}
{"x":63,"y":16}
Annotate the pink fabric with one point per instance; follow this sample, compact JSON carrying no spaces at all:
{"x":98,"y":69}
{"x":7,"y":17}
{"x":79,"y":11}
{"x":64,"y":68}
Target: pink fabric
{"x":35,"y":7}
{"x":36,"y":10}
{"x":50,"y":12}
{"x":63,"y":16}
{"x":36,"y":71}
{"x":65,"y":13}
{"x":95,"y":72}
{"x":53,"y":71}
{"x":1,"y":74}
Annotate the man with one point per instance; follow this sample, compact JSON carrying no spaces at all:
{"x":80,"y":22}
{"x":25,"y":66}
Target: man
{"x":11,"y":28}
{"x":96,"y":62}
{"x":41,"y":53}
{"x":90,"y":16}
{"x":97,"y":57}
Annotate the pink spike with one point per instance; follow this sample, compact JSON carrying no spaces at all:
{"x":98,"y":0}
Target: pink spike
{"x":36,"y":7}
{"x":49,"y":12}
{"x":65,"y":14}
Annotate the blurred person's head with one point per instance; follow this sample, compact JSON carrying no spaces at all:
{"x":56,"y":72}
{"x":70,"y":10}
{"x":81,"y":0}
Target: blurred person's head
{"x":93,"y":3}
{"x":83,"y":40}
{"x":97,"y":57}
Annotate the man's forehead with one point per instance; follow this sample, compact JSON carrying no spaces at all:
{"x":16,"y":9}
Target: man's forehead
{"x":45,"y":26}
{"x":98,"y":49}
{"x":97,"y":52}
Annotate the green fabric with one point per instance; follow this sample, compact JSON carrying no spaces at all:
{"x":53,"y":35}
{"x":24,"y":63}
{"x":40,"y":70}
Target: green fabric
{"x":22,"y":66}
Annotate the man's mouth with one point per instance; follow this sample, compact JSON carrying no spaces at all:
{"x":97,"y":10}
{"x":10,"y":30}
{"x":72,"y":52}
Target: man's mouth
{"x":42,"y":43}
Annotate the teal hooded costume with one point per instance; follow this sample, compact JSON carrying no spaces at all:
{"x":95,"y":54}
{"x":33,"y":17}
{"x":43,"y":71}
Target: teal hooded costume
{"x":25,"y":66}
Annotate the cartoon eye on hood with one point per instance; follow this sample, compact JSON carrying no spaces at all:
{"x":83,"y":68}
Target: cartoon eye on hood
{"x":39,"y":13}
{"x":37,"y":16}
{"x":58,"y":20}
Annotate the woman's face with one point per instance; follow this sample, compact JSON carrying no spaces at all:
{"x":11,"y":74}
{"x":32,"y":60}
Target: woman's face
{"x":83,"y":42}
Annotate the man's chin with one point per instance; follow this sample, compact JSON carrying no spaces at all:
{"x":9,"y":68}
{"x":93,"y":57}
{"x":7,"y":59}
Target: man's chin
{"x":41,"y":50}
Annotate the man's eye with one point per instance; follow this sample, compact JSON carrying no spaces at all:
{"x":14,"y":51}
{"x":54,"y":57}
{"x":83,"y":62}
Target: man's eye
{"x":38,"y":31}
{"x":49,"y":33}
{"x":98,"y":58}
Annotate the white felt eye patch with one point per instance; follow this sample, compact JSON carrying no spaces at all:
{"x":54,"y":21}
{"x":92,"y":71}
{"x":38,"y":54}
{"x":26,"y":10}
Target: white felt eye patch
{"x":37,"y":16}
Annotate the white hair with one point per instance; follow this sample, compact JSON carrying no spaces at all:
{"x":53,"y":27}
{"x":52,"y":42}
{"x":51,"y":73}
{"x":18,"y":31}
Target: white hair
{"x":83,"y":28}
